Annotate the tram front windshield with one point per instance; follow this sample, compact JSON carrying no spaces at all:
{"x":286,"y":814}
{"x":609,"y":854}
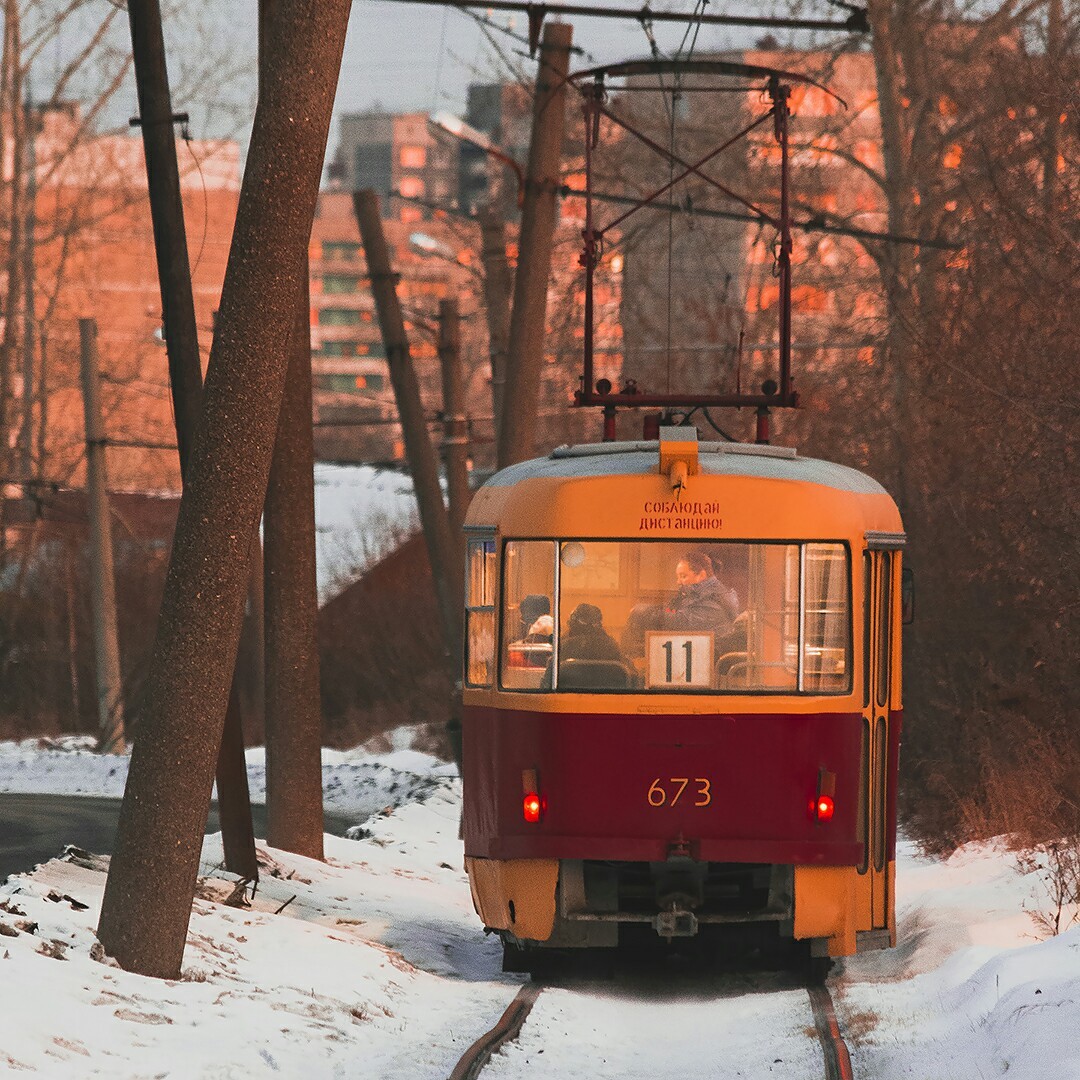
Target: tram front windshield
{"x":655,"y":616}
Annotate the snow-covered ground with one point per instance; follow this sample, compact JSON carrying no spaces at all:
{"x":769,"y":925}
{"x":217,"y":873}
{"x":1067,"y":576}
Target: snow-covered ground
{"x":372,"y":964}
{"x":357,"y":509}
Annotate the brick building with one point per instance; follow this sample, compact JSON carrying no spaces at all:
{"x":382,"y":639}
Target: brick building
{"x":93,"y":256}
{"x":705,"y":316}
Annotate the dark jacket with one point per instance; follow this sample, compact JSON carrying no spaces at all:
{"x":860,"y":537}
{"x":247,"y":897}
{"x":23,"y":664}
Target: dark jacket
{"x":589,"y":643}
{"x":702,"y":606}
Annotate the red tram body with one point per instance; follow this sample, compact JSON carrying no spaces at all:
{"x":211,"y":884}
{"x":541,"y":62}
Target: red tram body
{"x":643,"y":753}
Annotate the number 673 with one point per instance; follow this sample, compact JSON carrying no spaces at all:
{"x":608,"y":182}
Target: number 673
{"x":667,"y":792}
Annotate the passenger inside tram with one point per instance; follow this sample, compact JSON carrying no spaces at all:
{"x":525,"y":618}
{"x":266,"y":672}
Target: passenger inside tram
{"x":668,"y":616}
{"x":589,"y":658}
{"x":701,"y":602}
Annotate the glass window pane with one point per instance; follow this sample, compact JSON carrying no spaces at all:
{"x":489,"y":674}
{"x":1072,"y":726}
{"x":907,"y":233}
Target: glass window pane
{"x":481,"y":574}
{"x":825,"y":619}
{"x":662,"y":617}
{"x":884,"y":617}
{"x":868,"y":644}
{"x":480,"y":613}
{"x":683,"y":616}
{"x":528,"y":606}
{"x":481,"y":648}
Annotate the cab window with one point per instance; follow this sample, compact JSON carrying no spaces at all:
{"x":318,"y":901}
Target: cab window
{"x":528,"y":623}
{"x":480,"y":612}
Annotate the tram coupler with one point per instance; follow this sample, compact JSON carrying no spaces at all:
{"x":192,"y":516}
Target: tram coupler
{"x":678,"y":922}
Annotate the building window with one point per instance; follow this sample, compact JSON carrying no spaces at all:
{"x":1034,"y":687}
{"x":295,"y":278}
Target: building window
{"x":342,"y":348}
{"x":413,"y":157}
{"x":340,"y":317}
{"x":411,"y":187}
{"x":347,"y":250}
{"x":340,"y":283}
{"x":341,"y":383}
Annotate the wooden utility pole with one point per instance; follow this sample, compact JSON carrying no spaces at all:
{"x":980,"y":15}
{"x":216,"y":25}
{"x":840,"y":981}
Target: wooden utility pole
{"x":185,"y":369}
{"x":110,"y":699}
{"x":418,"y":449}
{"x":151,"y":882}
{"x":26,"y":435}
{"x":446,"y":571}
{"x":528,"y":318}
{"x":496,"y":303}
{"x":456,"y":459}
{"x":294,"y":794}
{"x":455,"y":427}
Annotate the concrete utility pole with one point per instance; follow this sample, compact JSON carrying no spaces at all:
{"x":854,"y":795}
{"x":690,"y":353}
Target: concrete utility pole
{"x":528,"y":318}
{"x":185,"y":369}
{"x":294,"y":794}
{"x":151,"y":882}
{"x":445,"y":569}
{"x":106,"y":649}
{"x":496,"y":303}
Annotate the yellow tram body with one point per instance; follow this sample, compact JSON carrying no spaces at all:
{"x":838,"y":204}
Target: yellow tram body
{"x":817,"y":721}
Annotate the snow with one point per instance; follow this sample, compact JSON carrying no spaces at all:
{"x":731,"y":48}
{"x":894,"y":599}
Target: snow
{"x":373,"y":964}
{"x":356,"y":783}
{"x":357,"y":508}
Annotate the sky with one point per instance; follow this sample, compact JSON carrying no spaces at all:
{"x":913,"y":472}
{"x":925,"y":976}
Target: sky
{"x":402,"y":56}
{"x":374,"y":964}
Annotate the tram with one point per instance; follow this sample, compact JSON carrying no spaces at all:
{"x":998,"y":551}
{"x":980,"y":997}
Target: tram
{"x":682,"y":700}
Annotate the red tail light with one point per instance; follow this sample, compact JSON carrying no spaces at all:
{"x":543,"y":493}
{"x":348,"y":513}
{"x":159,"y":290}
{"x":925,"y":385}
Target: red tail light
{"x":532,"y":807}
{"x":821,"y":807}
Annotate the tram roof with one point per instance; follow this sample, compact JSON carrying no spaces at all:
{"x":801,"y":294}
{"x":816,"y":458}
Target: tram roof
{"x":714,"y":458}
{"x":617,"y":489}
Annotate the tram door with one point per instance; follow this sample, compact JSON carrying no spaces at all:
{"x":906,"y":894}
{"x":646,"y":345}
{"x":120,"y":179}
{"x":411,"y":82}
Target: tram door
{"x":877,"y":703}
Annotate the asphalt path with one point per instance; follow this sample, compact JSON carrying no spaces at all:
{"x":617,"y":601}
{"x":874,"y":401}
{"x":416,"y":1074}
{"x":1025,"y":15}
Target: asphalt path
{"x":36,"y":828}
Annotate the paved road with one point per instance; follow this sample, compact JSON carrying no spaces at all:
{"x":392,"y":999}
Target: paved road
{"x":35,"y":828}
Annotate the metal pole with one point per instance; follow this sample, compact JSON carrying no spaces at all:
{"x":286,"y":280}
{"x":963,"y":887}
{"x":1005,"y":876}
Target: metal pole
{"x":418,"y":448}
{"x":147,"y":903}
{"x":103,"y":592}
{"x":528,"y":318}
{"x":185,"y":369}
{"x":496,"y":302}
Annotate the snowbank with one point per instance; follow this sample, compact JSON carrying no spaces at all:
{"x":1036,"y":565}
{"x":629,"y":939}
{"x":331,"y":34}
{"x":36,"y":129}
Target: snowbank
{"x":373,"y":964}
{"x":356,"y":783}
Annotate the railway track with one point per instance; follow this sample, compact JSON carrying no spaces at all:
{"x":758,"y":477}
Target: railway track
{"x":837,"y":1061}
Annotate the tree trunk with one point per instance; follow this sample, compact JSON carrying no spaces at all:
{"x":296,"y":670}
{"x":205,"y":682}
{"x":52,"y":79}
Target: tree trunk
{"x":148,"y":893}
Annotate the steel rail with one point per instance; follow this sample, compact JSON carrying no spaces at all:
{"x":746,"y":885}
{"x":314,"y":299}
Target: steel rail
{"x":837,"y":1059}
{"x":506,"y":1030}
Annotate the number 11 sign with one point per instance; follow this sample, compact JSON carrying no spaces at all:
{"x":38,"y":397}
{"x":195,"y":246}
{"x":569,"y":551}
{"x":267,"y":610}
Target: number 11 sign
{"x":678,"y":661}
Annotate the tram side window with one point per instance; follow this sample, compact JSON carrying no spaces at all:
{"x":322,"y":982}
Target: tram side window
{"x":480,"y":613}
{"x":528,"y":614}
{"x":826,"y":633}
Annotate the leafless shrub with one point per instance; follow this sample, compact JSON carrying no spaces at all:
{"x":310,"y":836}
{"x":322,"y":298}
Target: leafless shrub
{"x":1058,"y":865}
